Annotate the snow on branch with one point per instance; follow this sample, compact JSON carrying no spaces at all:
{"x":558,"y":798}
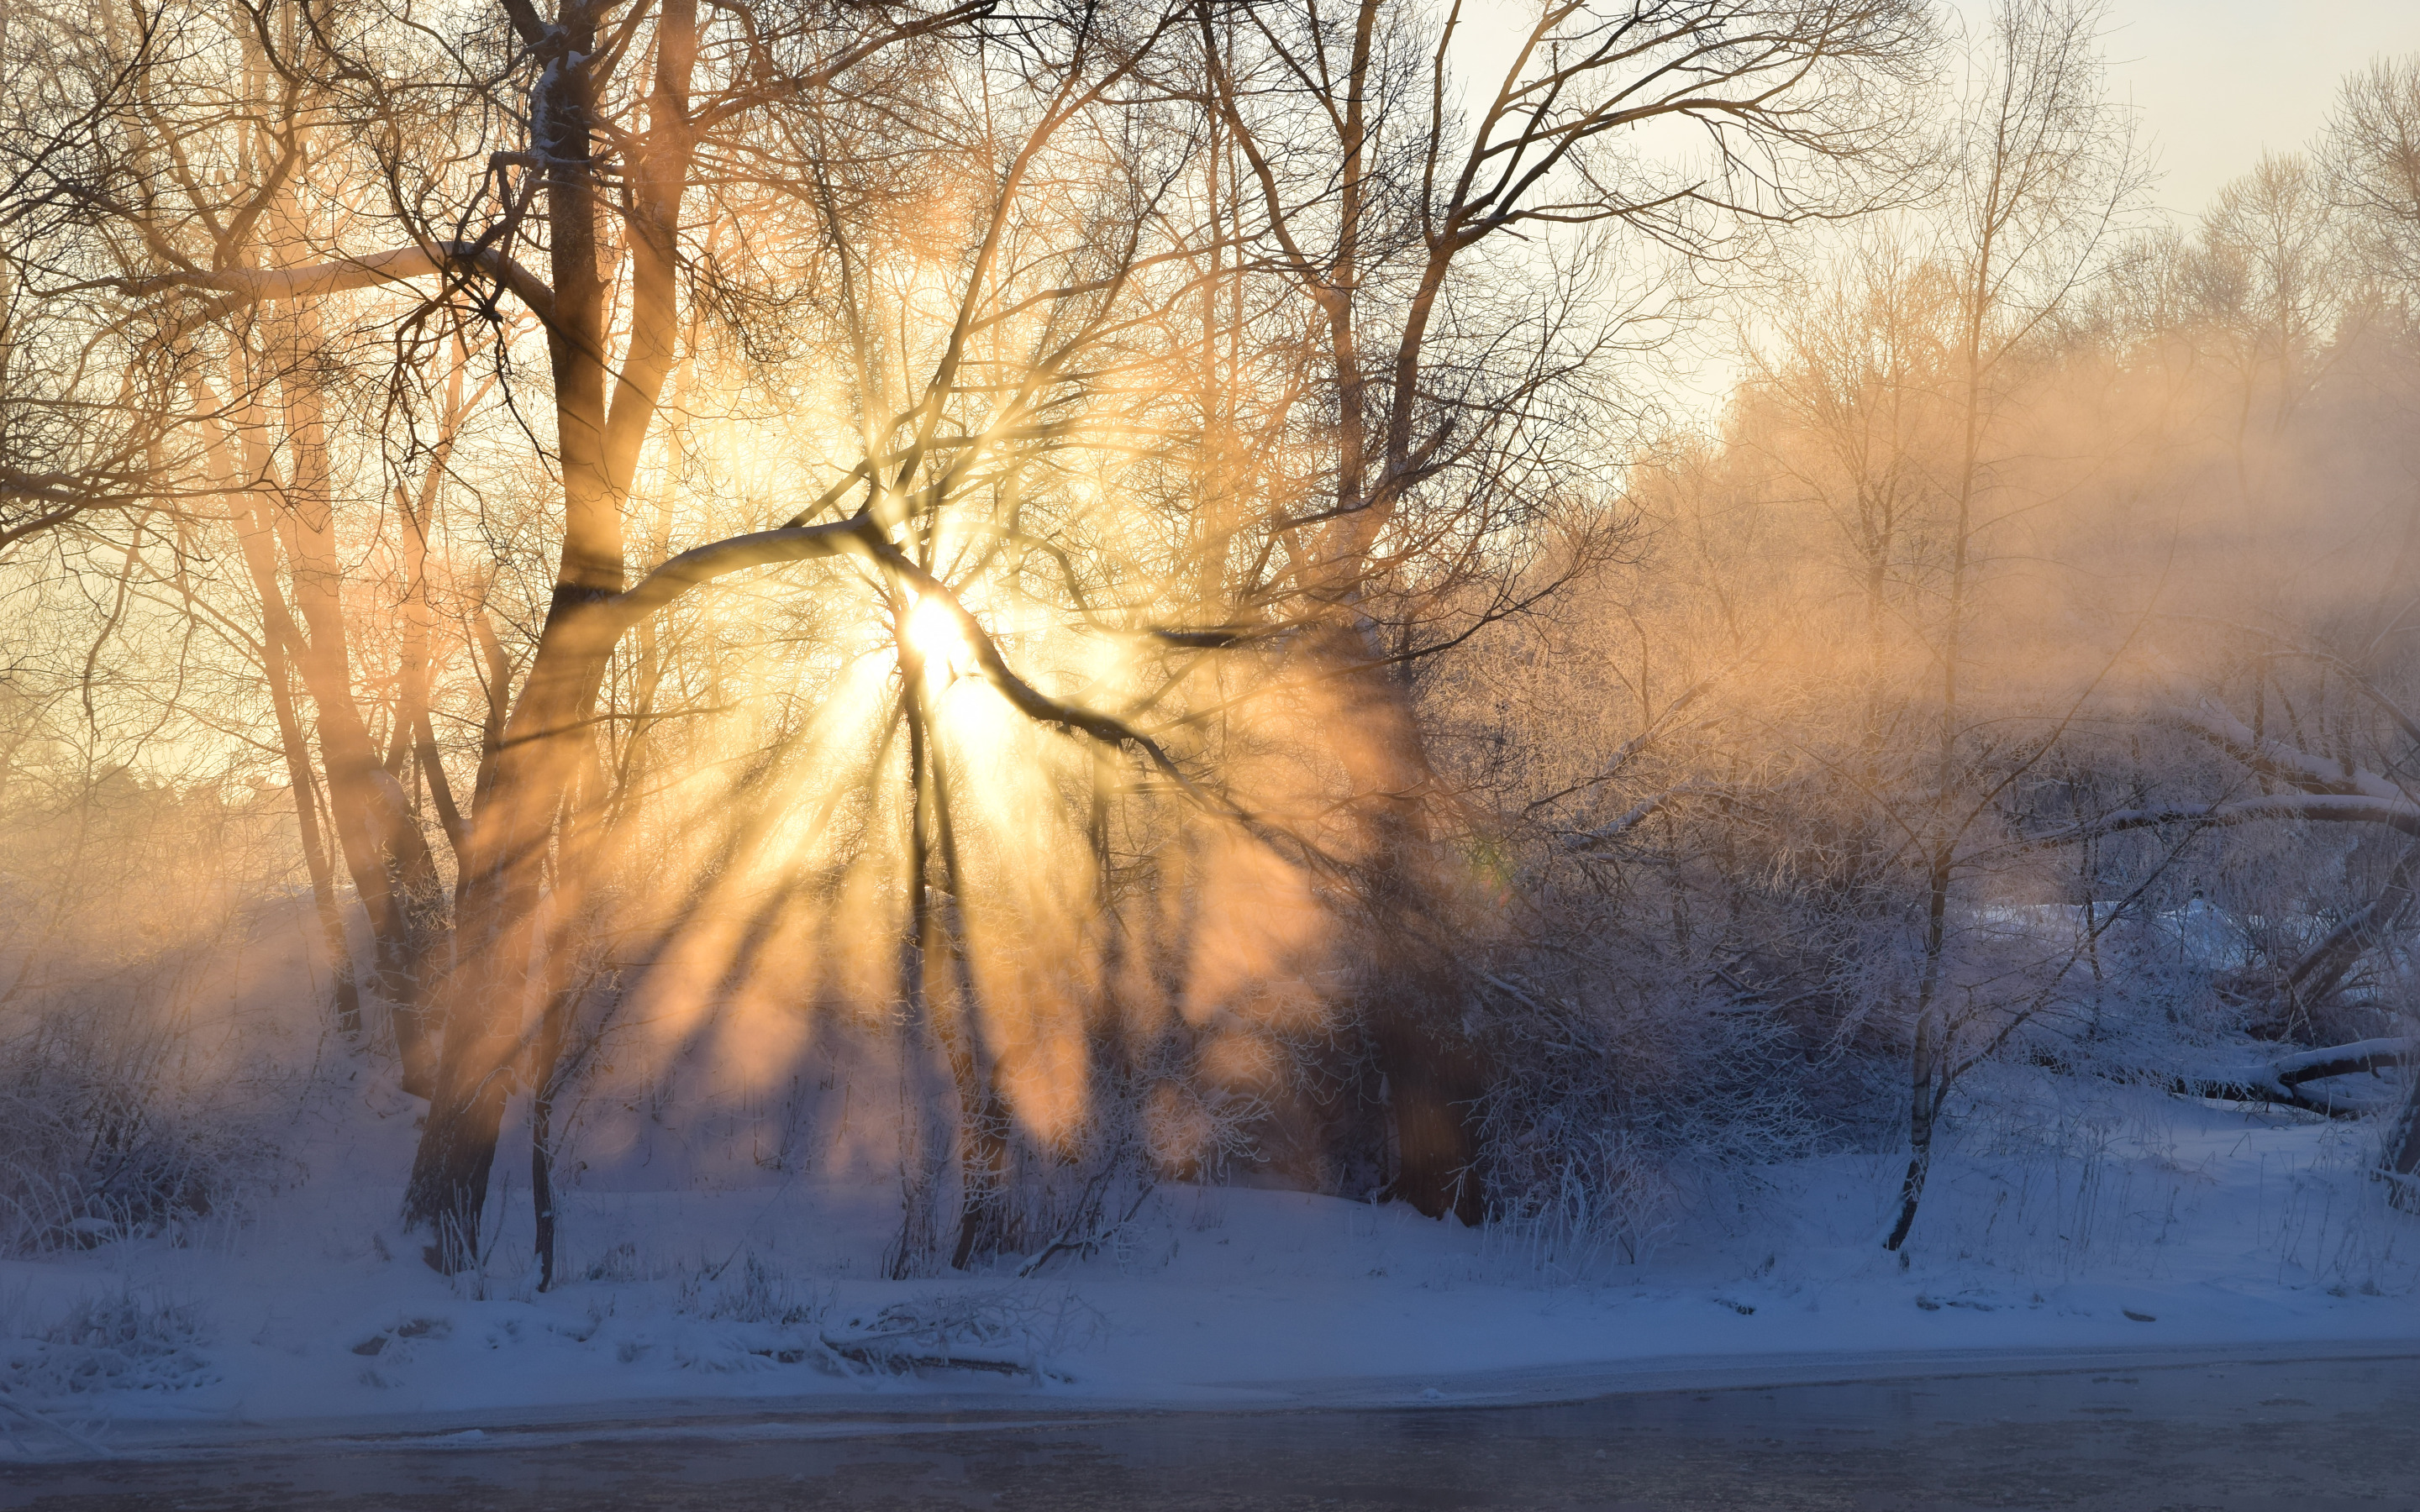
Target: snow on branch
{"x":2281,"y":1080}
{"x":2287,"y":764}
{"x":2327,"y":790}
{"x":2397,"y":813}
{"x":1647,"y":809}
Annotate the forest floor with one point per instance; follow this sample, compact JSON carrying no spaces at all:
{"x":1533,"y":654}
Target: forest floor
{"x":2144,"y":1228}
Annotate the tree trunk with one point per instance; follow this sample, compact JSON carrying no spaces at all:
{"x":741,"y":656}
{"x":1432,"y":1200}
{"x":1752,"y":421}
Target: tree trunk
{"x":1926,"y":1060}
{"x":504,"y":962}
{"x":1414,"y":989}
{"x":2322,"y":969}
{"x":278,"y":638}
{"x":2400,"y":1162}
{"x":346,"y":995}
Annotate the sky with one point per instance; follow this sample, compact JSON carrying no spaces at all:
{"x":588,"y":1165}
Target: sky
{"x":2218,"y":81}
{"x":2215,"y":80}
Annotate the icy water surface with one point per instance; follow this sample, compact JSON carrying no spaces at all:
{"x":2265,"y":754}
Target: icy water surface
{"x":2308,"y":1437}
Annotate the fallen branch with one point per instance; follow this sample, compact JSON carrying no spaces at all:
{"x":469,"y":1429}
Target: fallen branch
{"x":92,"y":1447}
{"x":867,"y":1350}
{"x":2326,"y":789}
{"x":2280,"y":1081}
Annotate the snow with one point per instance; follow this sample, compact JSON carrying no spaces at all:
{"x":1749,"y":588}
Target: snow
{"x":2157,"y":1223}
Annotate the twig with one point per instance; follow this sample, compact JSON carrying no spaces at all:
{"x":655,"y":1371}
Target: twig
{"x":91,"y":1445}
{"x":1064,"y":1243}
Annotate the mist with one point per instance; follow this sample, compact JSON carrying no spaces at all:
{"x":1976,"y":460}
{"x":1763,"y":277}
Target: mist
{"x":921,"y":648}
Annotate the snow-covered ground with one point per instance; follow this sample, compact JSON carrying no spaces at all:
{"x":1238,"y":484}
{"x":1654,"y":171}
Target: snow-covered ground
{"x":2143,"y":1223}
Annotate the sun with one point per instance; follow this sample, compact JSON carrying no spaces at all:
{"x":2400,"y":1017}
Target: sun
{"x":933,"y":629}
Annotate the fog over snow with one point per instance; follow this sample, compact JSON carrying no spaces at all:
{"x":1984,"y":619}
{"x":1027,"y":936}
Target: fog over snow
{"x":863,"y":709}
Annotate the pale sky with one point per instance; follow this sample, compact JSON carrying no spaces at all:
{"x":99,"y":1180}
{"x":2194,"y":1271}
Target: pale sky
{"x":2218,"y":81}
{"x":2215,"y":80}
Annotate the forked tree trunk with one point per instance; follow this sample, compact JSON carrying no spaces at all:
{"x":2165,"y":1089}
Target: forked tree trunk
{"x":278,"y":637}
{"x":506,"y":965}
{"x":393,"y":872}
{"x":2315,"y":978}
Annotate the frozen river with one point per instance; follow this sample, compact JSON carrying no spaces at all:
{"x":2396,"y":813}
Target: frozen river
{"x":2309,"y":1436}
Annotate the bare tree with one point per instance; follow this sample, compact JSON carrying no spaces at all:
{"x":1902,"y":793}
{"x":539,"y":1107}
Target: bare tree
{"x":586,"y":121}
{"x":2269,"y":277}
{"x":2044,"y":179}
{"x":1389,"y":210}
{"x":2372,"y":158}
{"x":89,"y":401}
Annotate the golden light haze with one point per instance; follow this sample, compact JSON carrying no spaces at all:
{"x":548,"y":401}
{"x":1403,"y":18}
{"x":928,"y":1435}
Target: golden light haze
{"x":1032,"y":608}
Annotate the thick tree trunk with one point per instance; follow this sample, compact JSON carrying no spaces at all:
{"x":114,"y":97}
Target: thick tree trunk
{"x":505,"y":962}
{"x":924,"y":1135}
{"x":1435,"y":1081}
{"x":506,"y":965}
{"x":552,"y":1031}
{"x":1414,"y":989}
{"x":984,"y":1221}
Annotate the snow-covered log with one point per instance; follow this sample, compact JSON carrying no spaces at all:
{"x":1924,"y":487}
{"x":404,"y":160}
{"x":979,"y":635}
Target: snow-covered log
{"x":2281,"y":1080}
{"x":2344,"y":1060}
{"x":2328,"y":808}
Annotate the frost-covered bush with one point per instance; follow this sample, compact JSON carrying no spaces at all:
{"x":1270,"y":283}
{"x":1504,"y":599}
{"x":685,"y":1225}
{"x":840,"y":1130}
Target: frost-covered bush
{"x":125,"y":1341}
{"x":750,"y":1292}
{"x":143,"y":923}
{"x":617,"y":1264}
{"x":1615,"y":1106}
{"x":744,"y":1315}
{"x":110,"y":1130}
